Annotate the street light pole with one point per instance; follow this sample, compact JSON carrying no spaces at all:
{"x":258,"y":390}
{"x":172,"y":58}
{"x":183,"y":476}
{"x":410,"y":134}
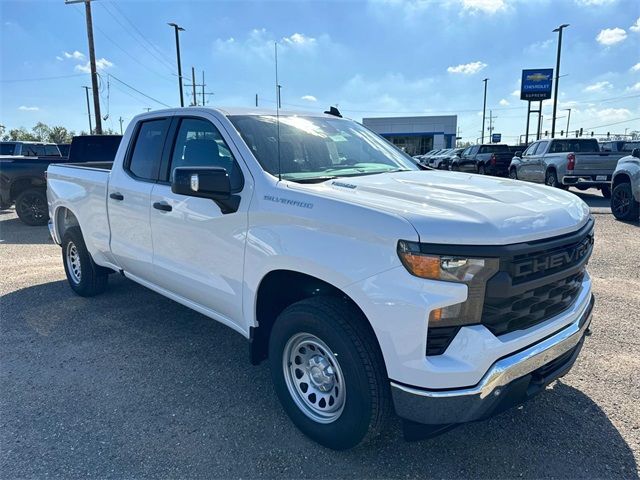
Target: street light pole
{"x":568,"y":119}
{"x":557,"y":79}
{"x":484,"y":107}
{"x":178,"y":29}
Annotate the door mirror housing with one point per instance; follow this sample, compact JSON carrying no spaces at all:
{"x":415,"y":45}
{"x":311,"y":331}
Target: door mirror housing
{"x":519,"y":154}
{"x":206,"y":182}
{"x":635,"y":152}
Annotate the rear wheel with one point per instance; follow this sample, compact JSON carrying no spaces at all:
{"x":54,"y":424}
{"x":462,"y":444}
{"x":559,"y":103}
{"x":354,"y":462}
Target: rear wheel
{"x":85,"y":277}
{"x":606,"y":191}
{"x":328,"y":372}
{"x":31,"y":207}
{"x":454,"y":167}
{"x":481,"y":170}
{"x":623,"y":205}
{"x":551,"y":179}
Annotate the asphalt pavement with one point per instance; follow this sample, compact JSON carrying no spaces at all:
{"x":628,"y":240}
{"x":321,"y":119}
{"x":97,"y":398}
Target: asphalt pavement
{"x":132,"y":385}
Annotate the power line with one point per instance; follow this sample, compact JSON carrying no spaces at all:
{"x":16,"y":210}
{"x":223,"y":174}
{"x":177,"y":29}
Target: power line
{"x":138,"y":91}
{"x":612,"y":124}
{"x":124,"y":27}
{"x":37,"y":79}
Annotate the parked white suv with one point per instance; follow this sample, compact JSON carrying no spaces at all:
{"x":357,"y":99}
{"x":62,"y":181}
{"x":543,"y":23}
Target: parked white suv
{"x":367,"y":284}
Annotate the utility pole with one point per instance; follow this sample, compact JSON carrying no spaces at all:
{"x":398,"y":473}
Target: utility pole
{"x":178,"y":29}
{"x":86,"y":91}
{"x":120,"y":120}
{"x":484,"y":108}
{"x":92,"y":63}
{"x":256,"y":99}
{"x":557,"y":79}
{"x":203,"y":84}
{"x":193,"y":76}
{"x":568,"y":119}
{"x":279,"y":96}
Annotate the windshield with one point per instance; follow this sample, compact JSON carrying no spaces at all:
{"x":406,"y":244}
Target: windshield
{"x":318,"y":148}
{"x":7,"y":148}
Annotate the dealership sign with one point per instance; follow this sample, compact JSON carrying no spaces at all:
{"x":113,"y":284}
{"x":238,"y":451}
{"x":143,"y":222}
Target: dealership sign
{"x":536,"y":84}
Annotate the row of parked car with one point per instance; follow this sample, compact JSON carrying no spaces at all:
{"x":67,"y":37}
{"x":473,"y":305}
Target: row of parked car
{"x":582,"y":163}
{"x":23,"y":165}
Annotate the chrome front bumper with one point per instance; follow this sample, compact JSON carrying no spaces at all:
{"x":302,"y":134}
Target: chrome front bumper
{"x":509,"y":382}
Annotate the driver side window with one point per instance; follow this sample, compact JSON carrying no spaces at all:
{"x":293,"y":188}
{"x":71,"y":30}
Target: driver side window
{"x":198,"y":143}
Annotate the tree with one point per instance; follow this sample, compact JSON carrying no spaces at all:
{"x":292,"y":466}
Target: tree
{"x":41,"y":131}
{"x":19,"y":134}
{"x":59,"y":134}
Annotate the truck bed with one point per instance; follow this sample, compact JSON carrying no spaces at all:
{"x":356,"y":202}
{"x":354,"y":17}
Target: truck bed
{"x":83,"y":189}
{"x":596,"y":163}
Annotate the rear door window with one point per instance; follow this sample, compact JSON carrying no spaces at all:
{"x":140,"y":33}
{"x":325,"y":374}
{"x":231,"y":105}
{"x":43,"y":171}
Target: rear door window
{"x":146,"y":155}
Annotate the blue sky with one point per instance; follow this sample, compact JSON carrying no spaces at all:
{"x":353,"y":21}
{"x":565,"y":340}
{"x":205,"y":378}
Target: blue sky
{"x":376,"y":58}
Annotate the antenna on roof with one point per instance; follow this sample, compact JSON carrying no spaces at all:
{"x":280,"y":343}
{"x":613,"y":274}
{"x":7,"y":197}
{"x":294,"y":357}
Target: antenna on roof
{"x":334,"y":111}
{"x":275,"y":45}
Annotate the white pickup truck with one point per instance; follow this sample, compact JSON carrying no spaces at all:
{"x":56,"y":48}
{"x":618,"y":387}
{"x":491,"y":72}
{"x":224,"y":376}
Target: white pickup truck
{"x":369,"y":285}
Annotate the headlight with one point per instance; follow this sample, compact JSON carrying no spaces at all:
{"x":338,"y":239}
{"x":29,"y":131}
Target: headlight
{"x":473,"y":272}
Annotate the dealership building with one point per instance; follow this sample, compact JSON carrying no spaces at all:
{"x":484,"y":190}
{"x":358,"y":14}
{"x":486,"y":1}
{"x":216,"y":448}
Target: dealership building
{"x":416,"y":135}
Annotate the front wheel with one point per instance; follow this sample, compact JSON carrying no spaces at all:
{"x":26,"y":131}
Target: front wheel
{"x":513,"y":174}
{"x":623,"y":206}
{"x":31,"y":207}
{"x":85,"y":277}
{"x":328,"y":372}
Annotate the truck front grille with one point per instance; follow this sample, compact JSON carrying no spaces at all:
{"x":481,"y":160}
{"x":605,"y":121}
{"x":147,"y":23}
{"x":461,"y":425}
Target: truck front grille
{"x":531,"y":307}
{"x":536,"y":281}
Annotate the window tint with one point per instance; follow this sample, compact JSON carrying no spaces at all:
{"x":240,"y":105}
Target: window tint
{"x":542,"y":147}
{"x":7,"y":148}
{"x":52,"y":150}
{"x":199,"y":144}
{"x":494,"y":148}
{"x":147,"y":151}
{"x":575,"y":145}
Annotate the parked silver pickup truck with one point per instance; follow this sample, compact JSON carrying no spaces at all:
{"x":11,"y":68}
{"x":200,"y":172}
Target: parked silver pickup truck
{"x":566,"y":162}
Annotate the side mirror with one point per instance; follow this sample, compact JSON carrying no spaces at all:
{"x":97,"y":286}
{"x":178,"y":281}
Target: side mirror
{"x":206,"y":182}
{"x":635,"y":152}
{"x":519,"y":154}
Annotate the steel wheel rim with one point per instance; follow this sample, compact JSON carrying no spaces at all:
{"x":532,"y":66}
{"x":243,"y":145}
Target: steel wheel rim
{"x":73,"y":263}
{"x":32,"y":207}
{"x":314,"y":378}
{"x":621,"y":202}
{"x":551,"y":180}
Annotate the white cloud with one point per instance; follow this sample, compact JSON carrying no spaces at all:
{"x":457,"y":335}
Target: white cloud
{"x":504,"y":102}
{"x":611,"y":36}
{"x":59,"y":58}
{"x":636,"y":67}
{"x":634,"y":88}
{"x":298,"y":39}
{"x":101,"y":64}
{"x":24,"y":108}
{"x":76,"y":55}
{"x":609,"y":115}
{"x":598,"y":86}
{"x":467,"y":68}
{"x":484,"y":6}
{"x":594,"y":3}
{"x":309,"y":98}
{"x":515,"y":93}
{"x":636,"y":26}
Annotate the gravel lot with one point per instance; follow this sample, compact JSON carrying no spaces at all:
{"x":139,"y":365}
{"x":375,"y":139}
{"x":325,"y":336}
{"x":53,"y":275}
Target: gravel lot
{"x":131,"y":385}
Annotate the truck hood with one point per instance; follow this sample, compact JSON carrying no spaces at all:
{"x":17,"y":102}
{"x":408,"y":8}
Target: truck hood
{"x":464,"y":209}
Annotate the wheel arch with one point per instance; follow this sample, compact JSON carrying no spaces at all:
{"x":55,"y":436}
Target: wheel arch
{"x":621,"y":177}
{"x":64,"y":218}
{"x":277,"y":290}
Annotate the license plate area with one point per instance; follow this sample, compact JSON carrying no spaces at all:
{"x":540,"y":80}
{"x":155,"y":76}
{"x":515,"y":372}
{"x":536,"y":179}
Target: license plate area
{"x":601,"y":178}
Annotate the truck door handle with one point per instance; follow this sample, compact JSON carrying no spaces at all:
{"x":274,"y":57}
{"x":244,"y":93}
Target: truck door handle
{"x":165,"y":207}
{"x":116,"y":196}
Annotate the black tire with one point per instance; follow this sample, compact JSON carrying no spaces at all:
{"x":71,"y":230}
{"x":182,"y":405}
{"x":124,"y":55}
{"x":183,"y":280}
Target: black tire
{"x":454,"y":167}
{"x":623,"y":206}
{"x":31,"y":207}
{"x":551,"y":179}
{"x":582,"y":188}
{"x":343,"y":329}
{"x":482,"y":170}
{"x":92,"y":279}
{"x":606,"y":191}
{"x":513,"y":174}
